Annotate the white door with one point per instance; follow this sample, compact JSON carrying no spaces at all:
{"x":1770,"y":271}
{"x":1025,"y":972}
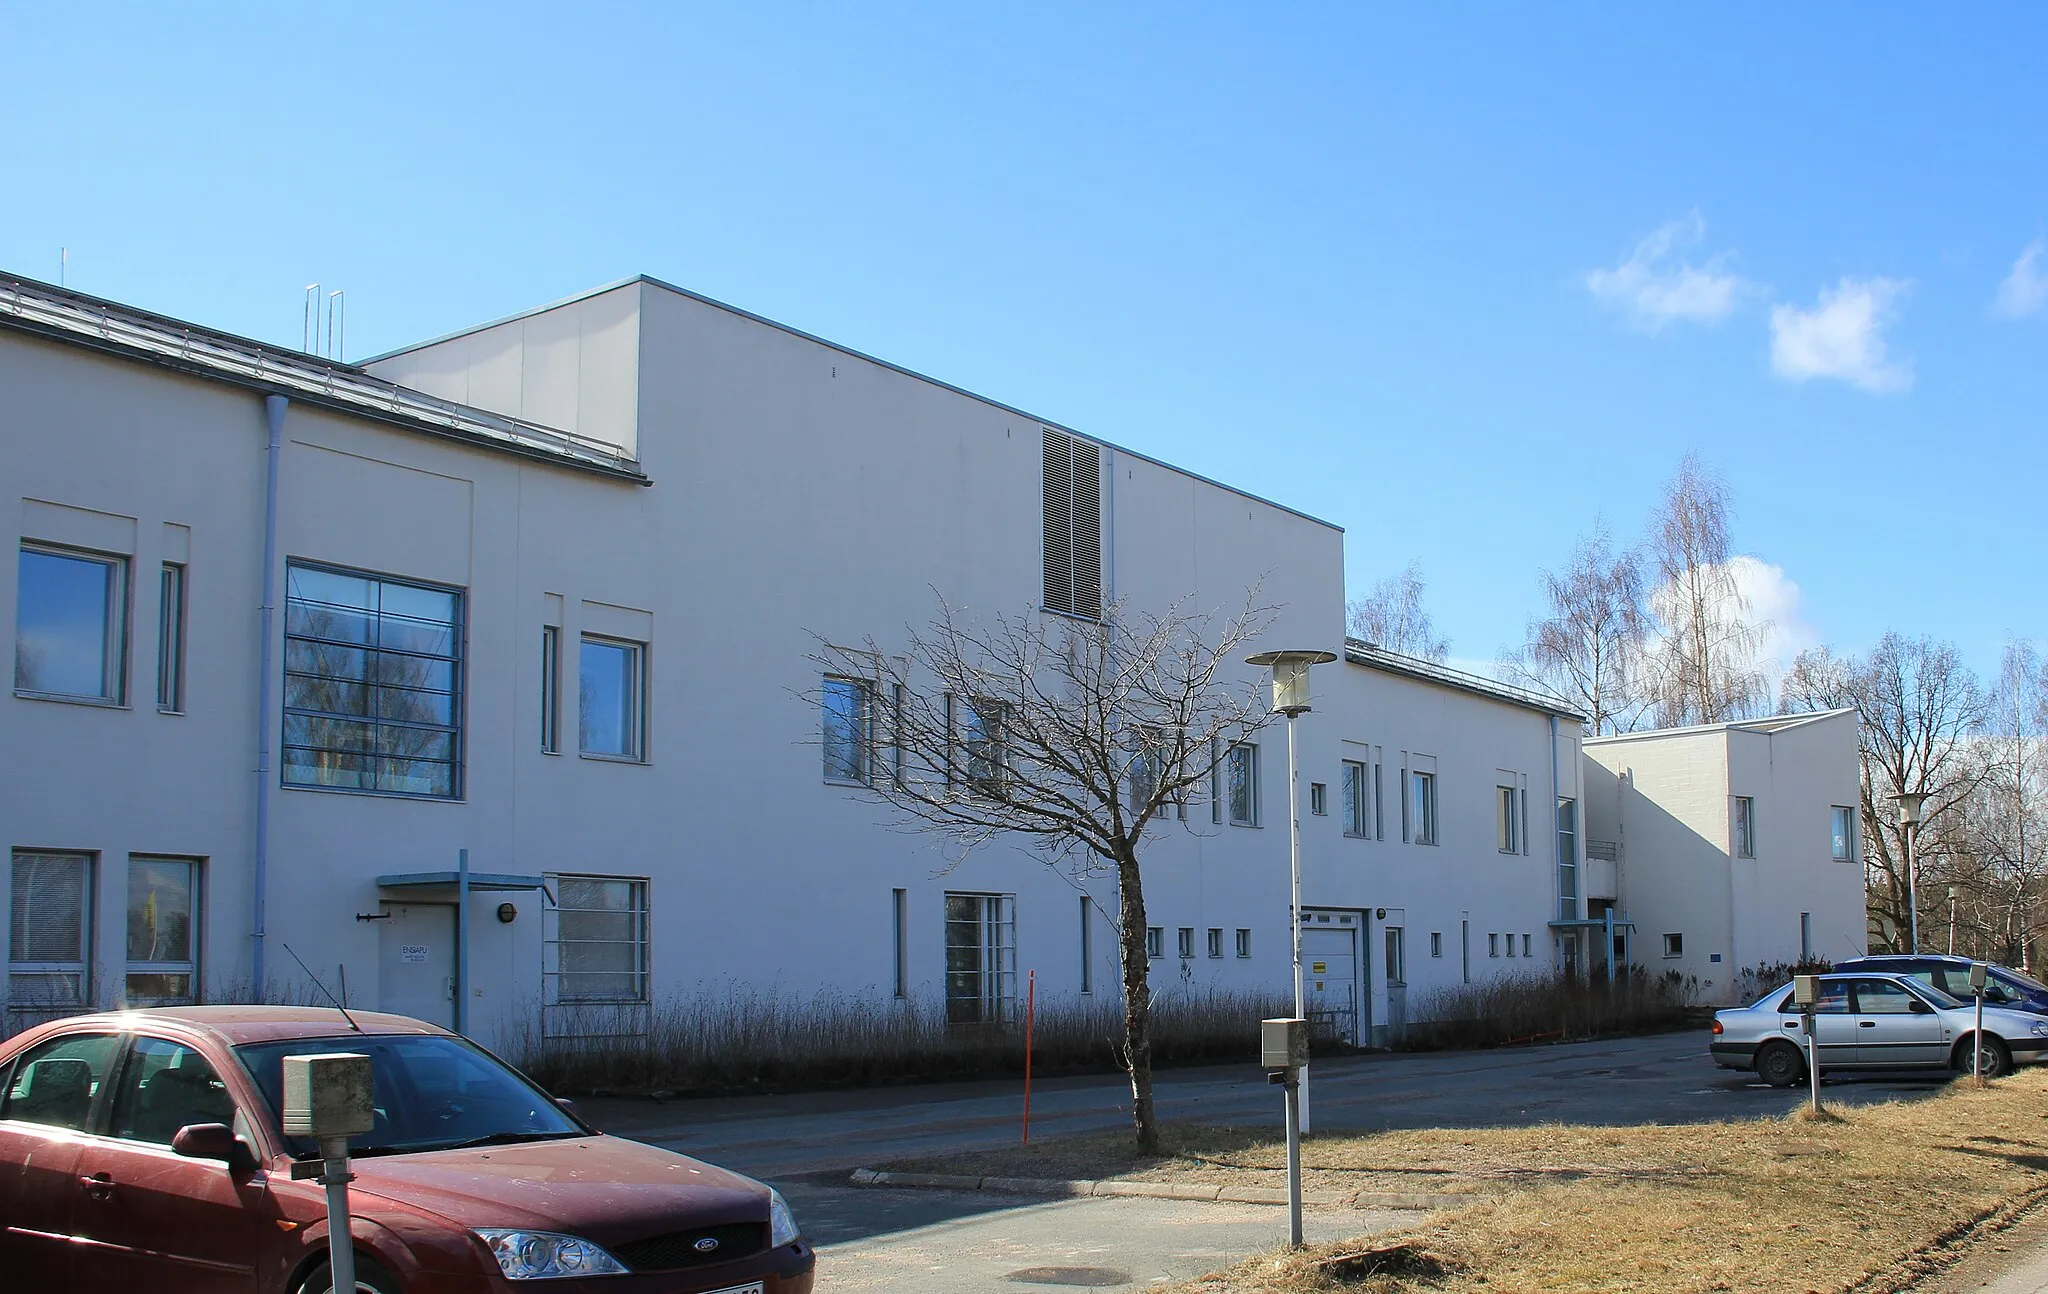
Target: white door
{"x":416,"y":962}
{"x":1329,"y":972}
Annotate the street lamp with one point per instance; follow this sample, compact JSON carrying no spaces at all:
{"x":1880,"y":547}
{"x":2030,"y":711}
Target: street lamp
{"x":1951,"y":920}
{"x":1290,"y":697}
{"x":1909,"y":826}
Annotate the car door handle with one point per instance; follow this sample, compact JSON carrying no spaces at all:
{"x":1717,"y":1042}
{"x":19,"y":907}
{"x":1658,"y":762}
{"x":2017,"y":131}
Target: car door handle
{"x":1866,"y":1024}
{"x":99,"y":1185}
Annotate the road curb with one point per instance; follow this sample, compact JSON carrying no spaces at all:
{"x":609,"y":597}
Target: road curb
{"x":1057,"y":1188}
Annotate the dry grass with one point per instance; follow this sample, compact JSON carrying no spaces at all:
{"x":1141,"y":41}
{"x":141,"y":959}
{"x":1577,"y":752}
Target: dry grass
{"x":1865,"y":1202}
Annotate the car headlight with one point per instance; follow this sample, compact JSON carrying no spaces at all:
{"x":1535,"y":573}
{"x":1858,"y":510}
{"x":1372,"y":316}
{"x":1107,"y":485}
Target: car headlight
{"x":2039,"y":1028}
{"x":546,"y":1255}
{"x":781,"y":1222}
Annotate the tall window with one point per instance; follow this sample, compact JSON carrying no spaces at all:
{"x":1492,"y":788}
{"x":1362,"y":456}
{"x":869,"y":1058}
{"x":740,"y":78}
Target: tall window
{"x":550,"y":689}
{"x":981,"y":746}
{"x":1244,"y":942}
{"x":1148,"y":755}
{"x":1215,"y":941}
{"x":1422,"y":807}
{"x":599,"y":949}
{"x":1241,"y":779}
{"x":372,"y":683}
{"x":1843,"y":848}
{"x":1745,"y":826}
{"x":1507,"y":824}
{"x":1397,"y":955}
{"x":1185,"y":943}
{"x":899,"y":918}
{"x":1436,"y":943}
{"x":848,"y":728}
{"x":611,"y":686}
{"x":1567,"y":860}
{"x":1318,"y":799}
{"x":1073,"y":525}
{"x":1087,"y":946}
{"x":70,"y":630}
{"x":49,"y":946}
{"x":981,"y":958}
{"x":163,"y":930}
{"x":1155,"y":941}
{"x":1806,"y":936}
{"x":1357,"y":799}
{"x":170,"y":639}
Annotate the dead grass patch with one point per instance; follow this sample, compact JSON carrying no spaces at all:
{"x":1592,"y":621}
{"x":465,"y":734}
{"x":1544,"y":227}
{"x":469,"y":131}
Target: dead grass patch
{"x":1864,"y":1202}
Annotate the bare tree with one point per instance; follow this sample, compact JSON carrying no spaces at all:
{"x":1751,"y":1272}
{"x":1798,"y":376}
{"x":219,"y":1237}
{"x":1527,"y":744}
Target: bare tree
{"x":2008,"y":817}
{"x":1703,"y":659}
{"x":1392,"y":616}
{"x":1818,"y":680}
{"x":1067,"y":737}
{"x":1589,"y":649}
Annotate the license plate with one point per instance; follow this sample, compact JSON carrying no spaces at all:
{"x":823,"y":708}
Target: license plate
{"x":755,"y":1288}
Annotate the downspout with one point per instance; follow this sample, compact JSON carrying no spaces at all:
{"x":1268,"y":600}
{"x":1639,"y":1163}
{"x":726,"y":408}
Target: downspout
{"x":1557,"y":853}
{"x":274,"y":407}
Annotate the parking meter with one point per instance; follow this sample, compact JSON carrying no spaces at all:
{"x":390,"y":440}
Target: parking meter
{"x":1806,"y":996}
{"x":1283,"y":1050}
{"x":329,"y":1098}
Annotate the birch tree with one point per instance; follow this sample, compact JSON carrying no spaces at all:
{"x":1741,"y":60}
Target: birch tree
{"x":1392,"y":616}
{"x":1703,"y":659}
{"x":1588,"y":650}
{"x":1070,"y":739}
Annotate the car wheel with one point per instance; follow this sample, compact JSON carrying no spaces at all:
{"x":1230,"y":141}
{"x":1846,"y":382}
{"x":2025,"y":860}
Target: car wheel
{"x":1780,"y":1064}
{"x":1997,"y":1059}
{"x":370,"y":1279}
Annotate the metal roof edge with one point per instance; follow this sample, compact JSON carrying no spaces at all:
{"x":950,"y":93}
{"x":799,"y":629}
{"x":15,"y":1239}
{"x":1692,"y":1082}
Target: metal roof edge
{"x":1766,"y":726}
{"x":1368,"y":656}
{"x":502,"y":320}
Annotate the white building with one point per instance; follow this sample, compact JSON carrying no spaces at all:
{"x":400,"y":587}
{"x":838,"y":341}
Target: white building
{"x":299,"y":644}
{"x":1732,"y":846}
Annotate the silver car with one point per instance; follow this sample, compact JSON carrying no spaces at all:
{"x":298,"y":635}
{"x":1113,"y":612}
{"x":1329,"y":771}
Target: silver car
{"x":1873,"y":1021}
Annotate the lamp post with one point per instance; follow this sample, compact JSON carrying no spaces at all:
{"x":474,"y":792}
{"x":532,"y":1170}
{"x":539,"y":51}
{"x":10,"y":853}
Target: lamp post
{"x":1909,"y":827}
{"x":1291,"y":698}
{"x":1951,"y":920}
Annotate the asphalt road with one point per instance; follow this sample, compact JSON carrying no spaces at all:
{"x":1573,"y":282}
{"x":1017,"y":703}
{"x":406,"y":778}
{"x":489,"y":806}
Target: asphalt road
{"x":945,"y":1242}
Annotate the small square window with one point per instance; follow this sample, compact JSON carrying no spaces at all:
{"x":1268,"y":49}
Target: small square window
{"x":1318,"y":799}
{"x":1215,"y":941}
{"x":1155,"y":941}
{"x":69,"y":632}
{"x":1436,"y":943}
{"x":1186,"y":942}
{"x":1244,"y":942}
{"x":1674,"y":945}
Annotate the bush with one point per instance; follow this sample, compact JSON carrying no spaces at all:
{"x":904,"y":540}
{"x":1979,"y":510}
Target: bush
{"x":1524,"y":1008}
{"x":735,"y":1038}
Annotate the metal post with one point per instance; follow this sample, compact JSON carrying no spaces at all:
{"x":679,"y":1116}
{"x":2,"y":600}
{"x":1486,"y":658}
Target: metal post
{"x":1030,"y":1014}
{"x":1977,"y":1043}
{"x":1293,"y":1088}
{"x":1299,"y":1108}
{"x":1910,"y":831}
{"x":1813,"y":1058}
{"x":462,"y":942}
{"x":341,"y":1253}
{"x":1951,"y":920}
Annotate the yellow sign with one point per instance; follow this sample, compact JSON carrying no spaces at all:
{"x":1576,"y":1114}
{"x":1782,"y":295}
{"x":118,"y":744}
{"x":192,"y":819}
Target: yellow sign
{"x":1319,"y":967}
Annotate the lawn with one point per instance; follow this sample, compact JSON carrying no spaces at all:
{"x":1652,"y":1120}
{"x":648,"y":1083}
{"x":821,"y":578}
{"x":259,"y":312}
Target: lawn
{"x":1868,"y":1199}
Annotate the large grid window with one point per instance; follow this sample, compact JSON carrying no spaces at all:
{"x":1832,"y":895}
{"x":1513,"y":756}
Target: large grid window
{"x":70,"y":625}
{"x":981,"y":958}
{"x":1567,"y":860}
{"x":611,"y":685}
{"x":49,"y":945}
{"x":372,"y":684}
{"x":163,"y":930}
{"x":848,"y":728}
{"x":598,"y":952}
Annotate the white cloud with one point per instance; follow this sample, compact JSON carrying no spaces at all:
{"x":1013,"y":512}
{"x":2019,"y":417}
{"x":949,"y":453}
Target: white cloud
{"x":1843,"y":336}
{"x":1653,"y":288}
{"x":2025,"y":290}
{"x":1773,"y":597}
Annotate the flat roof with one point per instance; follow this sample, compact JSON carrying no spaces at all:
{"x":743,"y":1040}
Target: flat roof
{"x":58,"y":314}
{"x":1775,"y":723}
{"x":829,"y":344}
{"x":1357,"y":651}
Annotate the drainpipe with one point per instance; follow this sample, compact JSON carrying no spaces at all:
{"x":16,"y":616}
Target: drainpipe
{"x":274,"y":407}
{"x":1557,"y":846}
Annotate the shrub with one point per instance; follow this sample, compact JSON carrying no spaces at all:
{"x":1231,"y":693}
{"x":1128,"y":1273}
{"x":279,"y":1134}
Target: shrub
{"x":1523,"y":1008}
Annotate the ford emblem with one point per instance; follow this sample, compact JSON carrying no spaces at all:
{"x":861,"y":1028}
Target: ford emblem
{"x":706,"y":1245}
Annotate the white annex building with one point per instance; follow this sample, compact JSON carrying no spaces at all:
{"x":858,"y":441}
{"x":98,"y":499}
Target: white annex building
{"x":480,"y":673}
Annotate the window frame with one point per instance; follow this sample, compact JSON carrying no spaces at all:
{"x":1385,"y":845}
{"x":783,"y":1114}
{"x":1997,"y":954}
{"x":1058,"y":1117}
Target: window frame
{"x":1216,"y":942}
{"x":551,"y":689}
{"x":636,"y":707}
{"x":861,"y":721}
{"x":457,"y":661}
{"x":996,"y":976}
{"x":114,"y":636}
{"x":1356,"y":800}
{"x":1493,"y":943}
{"x":1396,"y":940}
{"x":1743,"y":823}
{"x":984,"y":760}
{"x":1674,"y":943}
{"x":1436,"y":943}
{"x":1246,"y":780}
{"x":1318,"y":799}
{"x":552,"y":972}
{"x":1422,"y":806}
{"x":1184,"y":942}
{"x":88,"y":916}
{"x":1507,"y":821}
{"x":171,"y":620}
{"x":1244,"y":942}
{"x":1842,"y":816}
{"x":1155,"y":943}
{"x":189,"y":965}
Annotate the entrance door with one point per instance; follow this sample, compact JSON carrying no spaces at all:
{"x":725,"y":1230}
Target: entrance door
{"x":1329,"y":972}
{"x":416,"y":962}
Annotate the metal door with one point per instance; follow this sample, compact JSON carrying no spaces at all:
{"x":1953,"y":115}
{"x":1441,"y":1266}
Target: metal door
{"x":1889,"y":1033}
{"x":416,"y":962}
{"x":1329,"y":971}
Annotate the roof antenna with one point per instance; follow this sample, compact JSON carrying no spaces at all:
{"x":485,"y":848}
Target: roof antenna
{"x":323,"y":988}
{"x":63,"y":264}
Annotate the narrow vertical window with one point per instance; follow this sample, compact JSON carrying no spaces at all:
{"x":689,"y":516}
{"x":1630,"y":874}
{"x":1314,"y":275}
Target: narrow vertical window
{"x":1465,"y":951}
{"x":1379,"y":806}
{"x":899,"y":914}
{"x":163,"y":926}
{"x":1422,"y":807}
{"x":847,"y":724}
{"x":897,"y":698}
{"x":1185,"y":942}
{"x":1242,"y":770}
{"x":1087,"y":946}
{"x":1745,"y":827}
{"x":1493,"y":943}
{"x":70,"y":631}
{"x":1155,"y":941}
{"x":1806,"y":936}
{"x":1508,"y":837}
{"x":1436,"y":943}
{"x":551,"y":689}
{"x":1354,"y":798}
{"x":49,"y":946}
{"x":1244,"y":942}
{"x":1526,"y":944}
{"x":611,"y":693}
{"x":1567,"y":860}
{"x":1215,"y":941}
{"x":170,"y":639}
{"x":1843,"y":846}
{"x":984,"y":760}
{"x":1397,"y":955}
{"x":1318,"y":799}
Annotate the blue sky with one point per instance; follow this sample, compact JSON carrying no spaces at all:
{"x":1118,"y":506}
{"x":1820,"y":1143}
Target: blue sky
{"x":1462,"y":279}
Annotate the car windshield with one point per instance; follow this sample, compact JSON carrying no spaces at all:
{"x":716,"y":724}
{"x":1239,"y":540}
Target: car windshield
{"x":430,"y":1092}
{"x":2019,"y":979}
{"x":1936,"y":996}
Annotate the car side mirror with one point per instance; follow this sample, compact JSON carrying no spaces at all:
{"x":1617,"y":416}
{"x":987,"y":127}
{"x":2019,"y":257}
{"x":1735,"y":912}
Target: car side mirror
{"x":213,"y":1141}
{"x":566,"y":1104}
{"x":1921,"y":1008}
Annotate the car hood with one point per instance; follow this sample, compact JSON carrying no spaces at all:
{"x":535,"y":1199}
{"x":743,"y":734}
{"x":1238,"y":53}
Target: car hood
{"x":606,"y":1189}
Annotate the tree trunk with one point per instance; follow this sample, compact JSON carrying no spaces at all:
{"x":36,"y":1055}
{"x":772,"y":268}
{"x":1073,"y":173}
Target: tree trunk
{"x":1137,"y":969}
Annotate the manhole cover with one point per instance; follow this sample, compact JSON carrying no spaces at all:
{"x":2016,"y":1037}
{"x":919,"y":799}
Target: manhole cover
{"x":1093,"y":1277}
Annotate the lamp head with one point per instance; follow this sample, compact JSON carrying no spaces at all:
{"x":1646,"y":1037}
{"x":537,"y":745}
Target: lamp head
{"x":1910,"y":803}
{"x":1290,"y":676}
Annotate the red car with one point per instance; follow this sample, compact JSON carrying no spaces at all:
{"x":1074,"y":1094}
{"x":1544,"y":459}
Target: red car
{"x":141,"y":1150}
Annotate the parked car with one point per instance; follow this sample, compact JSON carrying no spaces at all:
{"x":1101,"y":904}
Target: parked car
{"x":2003,"y":985}
{"x":1873,"y":1021}
{"x":143,"y":1150}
